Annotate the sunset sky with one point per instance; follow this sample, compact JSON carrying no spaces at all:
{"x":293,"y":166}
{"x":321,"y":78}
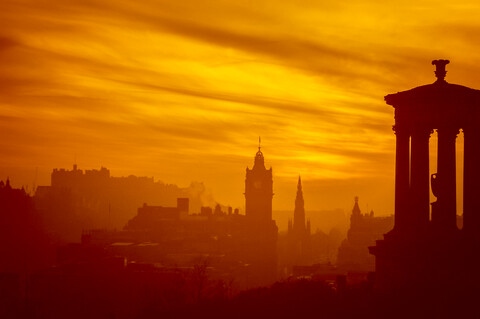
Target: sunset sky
{"x":181,"y":90}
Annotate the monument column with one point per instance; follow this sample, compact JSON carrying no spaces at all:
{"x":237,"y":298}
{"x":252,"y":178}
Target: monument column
{"x":402,"y":174}
{"x":420,"y":178}
{"x":447,"y":190}
{"x":471,"y":180}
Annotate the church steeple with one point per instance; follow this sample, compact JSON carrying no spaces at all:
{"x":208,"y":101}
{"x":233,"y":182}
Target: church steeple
{"x":299,"y":213}
{"x":299,"y":203}
{"x":299,"y":232}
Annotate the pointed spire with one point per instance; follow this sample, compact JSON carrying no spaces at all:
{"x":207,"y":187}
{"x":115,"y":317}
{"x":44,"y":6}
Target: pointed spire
{"x":299,"y":213}
{"x":259,"y":143}
{"x":299,"y":191}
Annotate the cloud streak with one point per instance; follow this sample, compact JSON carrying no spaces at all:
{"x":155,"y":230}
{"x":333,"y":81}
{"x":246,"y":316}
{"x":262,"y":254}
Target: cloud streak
{"x":178,"y":90}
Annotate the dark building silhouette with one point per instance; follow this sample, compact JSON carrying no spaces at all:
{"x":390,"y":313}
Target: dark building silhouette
{"x":171,"y":237}
{"x":365,"y":229}
{"x":262,"y":232}
{"x":24,"y":247}
{"x":425,"y":248}
{"x":98,"y":285}
{"x":299,"y":241}
{"x":150,"y":217}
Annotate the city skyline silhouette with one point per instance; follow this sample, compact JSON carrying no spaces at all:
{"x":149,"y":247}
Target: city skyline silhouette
{"x":239,"y":159}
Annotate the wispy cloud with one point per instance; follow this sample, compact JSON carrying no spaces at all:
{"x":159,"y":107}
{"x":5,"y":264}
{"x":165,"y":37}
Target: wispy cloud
{"x":182,"y":90}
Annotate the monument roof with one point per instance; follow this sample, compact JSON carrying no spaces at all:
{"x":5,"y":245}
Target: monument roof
{"x":436,"y":94}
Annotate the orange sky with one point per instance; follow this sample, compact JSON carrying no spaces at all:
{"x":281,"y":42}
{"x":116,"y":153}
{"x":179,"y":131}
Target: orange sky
{"x":181,"y":90}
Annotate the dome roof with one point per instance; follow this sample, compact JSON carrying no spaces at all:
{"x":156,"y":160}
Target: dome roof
{"x":438,"y":93}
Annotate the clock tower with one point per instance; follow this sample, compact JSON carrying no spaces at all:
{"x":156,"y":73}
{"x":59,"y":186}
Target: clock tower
{"x":259,"y":191}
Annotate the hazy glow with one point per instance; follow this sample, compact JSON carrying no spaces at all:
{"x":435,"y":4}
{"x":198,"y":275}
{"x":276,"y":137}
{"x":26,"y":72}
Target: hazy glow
{"x":181,"y":91}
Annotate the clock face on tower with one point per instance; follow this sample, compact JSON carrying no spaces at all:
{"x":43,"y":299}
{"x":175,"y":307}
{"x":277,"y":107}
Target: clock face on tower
{"x":257,"y":184}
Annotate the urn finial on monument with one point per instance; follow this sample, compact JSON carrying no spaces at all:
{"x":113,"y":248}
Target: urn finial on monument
{"x":440,"y":72}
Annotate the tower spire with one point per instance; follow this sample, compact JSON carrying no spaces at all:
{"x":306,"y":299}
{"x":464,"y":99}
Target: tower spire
{"x":299,"y":213}
{"x":299,"y":198}
{"x":259,"y":143}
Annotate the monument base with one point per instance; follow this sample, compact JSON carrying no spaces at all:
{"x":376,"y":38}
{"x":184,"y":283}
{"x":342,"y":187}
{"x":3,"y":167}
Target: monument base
{"x":427,"y":260}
